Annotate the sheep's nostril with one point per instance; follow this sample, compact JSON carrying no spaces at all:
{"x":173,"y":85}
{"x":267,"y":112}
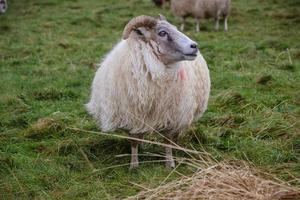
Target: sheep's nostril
{"x":194,"y":46}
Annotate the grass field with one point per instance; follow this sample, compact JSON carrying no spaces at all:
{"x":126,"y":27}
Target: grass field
{"x":48,"y":55}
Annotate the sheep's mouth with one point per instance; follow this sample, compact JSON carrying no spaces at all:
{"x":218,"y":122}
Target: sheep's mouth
{"x":190,"y":56}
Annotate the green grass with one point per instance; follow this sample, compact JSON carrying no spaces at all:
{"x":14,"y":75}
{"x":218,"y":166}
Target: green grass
{"x":48,"y":55}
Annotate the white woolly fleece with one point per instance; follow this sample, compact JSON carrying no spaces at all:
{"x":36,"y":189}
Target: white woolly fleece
{"x":133,"y":90}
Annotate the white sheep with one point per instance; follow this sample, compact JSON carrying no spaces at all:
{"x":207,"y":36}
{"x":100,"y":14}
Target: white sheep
{"x":201,"y":9}
{"x":3,"y":6}
{"x":154,"y":79}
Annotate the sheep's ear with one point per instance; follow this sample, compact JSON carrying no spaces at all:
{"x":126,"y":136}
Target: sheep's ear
{"x":161,"y":17}
{"x":140,"y":21}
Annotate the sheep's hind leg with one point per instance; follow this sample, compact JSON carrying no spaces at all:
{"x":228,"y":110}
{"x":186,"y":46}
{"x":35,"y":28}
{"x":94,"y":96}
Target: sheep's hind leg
{"x":182,"y":24}
{"x":225,"y":24}
{"x":217,"y":24}
{"x":134,"y":163}
{"x":197,"y":24}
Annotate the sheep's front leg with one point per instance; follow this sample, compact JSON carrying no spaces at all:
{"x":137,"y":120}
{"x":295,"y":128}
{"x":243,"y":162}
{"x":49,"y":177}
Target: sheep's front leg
{"x":225,"y":24}
{"x":170,"y":163}
{"x":134,"y":163}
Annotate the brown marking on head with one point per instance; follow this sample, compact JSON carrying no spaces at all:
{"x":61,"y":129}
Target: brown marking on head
{"x":140,"y":21}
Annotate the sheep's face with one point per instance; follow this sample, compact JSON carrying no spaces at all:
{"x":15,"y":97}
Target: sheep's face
{"x":3,"y":6}
{"x":171,"y":45}
{"x":168,"y":44}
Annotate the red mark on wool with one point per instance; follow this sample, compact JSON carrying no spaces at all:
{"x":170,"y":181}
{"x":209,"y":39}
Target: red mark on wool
{"x":182,"y":73}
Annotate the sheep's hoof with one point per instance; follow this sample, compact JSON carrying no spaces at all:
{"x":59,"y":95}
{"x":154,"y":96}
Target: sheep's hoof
{"x":170,"y":164}
{"x":134,"y":165}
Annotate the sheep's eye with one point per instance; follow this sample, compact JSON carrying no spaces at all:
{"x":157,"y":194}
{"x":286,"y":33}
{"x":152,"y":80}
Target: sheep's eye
{"x":162,"y":33}
{"x":138,"y":32}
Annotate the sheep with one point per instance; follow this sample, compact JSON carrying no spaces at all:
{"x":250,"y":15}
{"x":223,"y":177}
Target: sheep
{"x":201,"y":9}
{"x":153,"y":80}
{"x":3,"y":6}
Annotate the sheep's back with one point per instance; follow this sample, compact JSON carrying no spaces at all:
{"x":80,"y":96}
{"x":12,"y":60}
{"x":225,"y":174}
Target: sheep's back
{"x":211,"y":8}
{"x":183,"y":8}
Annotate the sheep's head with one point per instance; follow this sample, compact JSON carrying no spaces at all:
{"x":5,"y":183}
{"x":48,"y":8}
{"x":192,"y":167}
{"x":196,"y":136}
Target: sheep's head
{"x":168,"y":44}
{"x":3,"y":6}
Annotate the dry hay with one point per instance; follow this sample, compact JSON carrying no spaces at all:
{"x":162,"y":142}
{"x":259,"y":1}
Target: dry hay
{"x":223,"y":182}
{"x":234,"y":180}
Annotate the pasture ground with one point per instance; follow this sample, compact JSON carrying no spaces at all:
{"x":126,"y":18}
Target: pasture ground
{"x":48,"y":55}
